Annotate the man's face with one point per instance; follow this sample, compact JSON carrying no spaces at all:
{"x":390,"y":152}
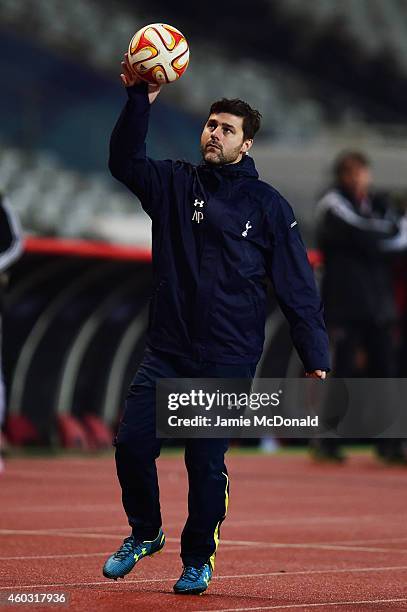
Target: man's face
{"x":222,"y":140}
{"x":356,"y":179}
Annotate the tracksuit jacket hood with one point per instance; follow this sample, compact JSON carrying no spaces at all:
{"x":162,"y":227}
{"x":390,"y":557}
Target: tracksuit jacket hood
{"x":218,"y":233}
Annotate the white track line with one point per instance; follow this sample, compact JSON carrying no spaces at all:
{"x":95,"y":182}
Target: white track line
{"x":78,"y":476}
{"x":360,"y":602}
{"x":63,"y":509}
{"x":67,"y":532}
{"x":320,"y":546}
{"x":92,"y":528}
{"x":248,"y":543}
{"x":225,"y":549}
{"x":124,"y":529}
{"x":61,"y":534}
{"x":67,"y":556}
{"x":373,"y":541}
{"x":225,"y":577}
{"x":300,"y":520}
{"x":229,"y":523}
{"x":309,"y":520}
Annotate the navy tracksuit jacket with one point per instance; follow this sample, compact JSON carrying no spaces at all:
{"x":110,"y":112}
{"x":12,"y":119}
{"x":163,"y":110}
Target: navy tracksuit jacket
{"x":209,"y":299}
{"x":218,"y":232}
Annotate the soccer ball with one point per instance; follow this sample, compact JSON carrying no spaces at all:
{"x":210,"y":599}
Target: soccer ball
{"x":159,"y":53}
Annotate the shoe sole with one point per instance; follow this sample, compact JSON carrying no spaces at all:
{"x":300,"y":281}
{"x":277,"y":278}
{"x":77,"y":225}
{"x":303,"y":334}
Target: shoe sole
{"x":191,"y":592}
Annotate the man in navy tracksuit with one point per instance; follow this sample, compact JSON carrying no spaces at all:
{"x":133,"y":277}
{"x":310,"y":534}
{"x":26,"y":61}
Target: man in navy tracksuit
{"x":218,"y":233}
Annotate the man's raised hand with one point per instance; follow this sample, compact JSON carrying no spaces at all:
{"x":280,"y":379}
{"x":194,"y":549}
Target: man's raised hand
{"x":129,"y":77}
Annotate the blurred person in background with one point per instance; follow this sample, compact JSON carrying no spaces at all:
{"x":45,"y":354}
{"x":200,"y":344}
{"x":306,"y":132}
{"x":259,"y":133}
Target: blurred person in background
{"x":398,"y":246}
{"x":357,"y":231}
{"x":10,"y":251}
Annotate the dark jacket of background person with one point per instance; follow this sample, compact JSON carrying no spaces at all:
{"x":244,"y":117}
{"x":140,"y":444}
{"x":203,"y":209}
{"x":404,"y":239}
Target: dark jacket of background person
{"x":10,"y":251}
{"x":10,"y":243}
{"x":209,"y":298}
{"x":357,"y":282}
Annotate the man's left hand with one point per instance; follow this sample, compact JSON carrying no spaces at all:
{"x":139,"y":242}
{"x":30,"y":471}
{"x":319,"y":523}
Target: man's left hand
{"x":316,"y":374}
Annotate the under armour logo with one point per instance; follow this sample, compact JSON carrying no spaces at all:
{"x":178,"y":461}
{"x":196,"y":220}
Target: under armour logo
{"x":248,"y":226}
{"x":199,"y":203}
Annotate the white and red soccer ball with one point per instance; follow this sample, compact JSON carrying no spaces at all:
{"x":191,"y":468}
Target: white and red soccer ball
{"x":159,"y":53}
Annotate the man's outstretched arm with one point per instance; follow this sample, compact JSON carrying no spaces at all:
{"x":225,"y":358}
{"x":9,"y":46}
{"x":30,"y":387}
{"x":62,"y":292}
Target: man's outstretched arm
{"x":340,"y":226}
{"x":128,"y":161}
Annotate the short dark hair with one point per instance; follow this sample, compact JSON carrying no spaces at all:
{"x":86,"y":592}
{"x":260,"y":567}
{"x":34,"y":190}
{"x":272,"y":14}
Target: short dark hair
{"x":350,"y":158}
{"x":251,"y":117}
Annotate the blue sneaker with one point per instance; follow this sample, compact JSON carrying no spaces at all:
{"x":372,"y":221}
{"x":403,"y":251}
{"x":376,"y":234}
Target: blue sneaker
{"x":194,"y":580}
{"x":124,"y":559}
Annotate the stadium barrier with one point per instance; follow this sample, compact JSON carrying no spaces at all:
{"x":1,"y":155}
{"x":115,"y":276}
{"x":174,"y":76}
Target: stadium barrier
{"x":74,"y":333}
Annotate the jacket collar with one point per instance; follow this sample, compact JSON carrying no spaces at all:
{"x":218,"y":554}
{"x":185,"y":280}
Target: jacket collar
{"x":245,"y":167}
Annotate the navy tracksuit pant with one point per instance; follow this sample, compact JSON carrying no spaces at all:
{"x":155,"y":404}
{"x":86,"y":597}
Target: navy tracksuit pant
{"x":137,"y":449}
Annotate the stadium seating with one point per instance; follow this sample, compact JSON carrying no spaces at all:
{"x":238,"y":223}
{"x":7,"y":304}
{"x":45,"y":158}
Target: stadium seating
{"x":92,"y":30}
{"x":71,"y":99}
{"x":377,"y":23}
{"x":55,"y":201}
{"x":284,"y":98}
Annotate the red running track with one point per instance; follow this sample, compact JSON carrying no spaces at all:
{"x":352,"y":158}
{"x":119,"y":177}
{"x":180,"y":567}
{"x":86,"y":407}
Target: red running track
{"x":298,"y":536}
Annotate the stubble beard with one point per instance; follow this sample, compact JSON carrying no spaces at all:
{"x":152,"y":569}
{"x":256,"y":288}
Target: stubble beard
{"x":217,"y":156}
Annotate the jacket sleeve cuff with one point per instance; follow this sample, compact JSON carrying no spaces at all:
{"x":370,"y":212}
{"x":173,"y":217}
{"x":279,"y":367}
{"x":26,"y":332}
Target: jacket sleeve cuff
{"x":310,"y":365}
{"x":136,"y":90}
{"x":315,"y":358}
